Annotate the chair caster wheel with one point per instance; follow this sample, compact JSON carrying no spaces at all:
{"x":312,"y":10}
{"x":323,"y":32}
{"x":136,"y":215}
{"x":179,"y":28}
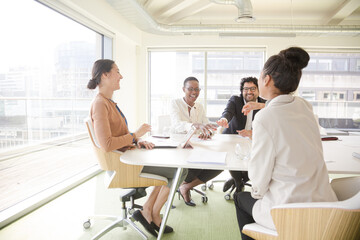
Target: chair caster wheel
{"x":227,"y":197}
{"x":211,"y":186}
{"x":203,"y":187}
{"x":204,"y":199}
{"x":87,"y":224}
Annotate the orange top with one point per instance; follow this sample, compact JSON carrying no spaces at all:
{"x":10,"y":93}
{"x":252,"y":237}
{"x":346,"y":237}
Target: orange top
{"x":110,"y":125}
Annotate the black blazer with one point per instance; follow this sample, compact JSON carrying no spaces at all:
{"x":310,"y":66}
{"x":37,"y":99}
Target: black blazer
{"x":232,"y":112}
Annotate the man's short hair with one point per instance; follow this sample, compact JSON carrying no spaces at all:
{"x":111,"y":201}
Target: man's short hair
{"x":190,"y":79}
{"x":248,"y":79}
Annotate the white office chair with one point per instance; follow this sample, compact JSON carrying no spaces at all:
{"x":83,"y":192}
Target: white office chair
{"x":316,"y":220}
{"x":121,"y":175}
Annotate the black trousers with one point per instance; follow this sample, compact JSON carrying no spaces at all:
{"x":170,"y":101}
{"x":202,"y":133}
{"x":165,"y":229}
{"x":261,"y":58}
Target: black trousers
{"x":244,"y":204}
{"x":203,"y":174}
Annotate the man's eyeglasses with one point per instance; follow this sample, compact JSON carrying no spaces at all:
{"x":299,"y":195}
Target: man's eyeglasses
{"x":194,"y":89}
{"x":245,"y":89}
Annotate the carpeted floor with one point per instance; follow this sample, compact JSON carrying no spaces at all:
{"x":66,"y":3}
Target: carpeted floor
{"x":62,"y":218}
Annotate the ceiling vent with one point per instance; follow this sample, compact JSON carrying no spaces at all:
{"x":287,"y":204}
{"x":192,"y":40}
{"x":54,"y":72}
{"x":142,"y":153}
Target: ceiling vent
{"x":244,"y":8}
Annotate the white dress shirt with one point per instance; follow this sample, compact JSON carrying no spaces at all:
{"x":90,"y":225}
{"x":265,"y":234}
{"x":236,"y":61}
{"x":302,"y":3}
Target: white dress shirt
{"x":181,"y":120}
{"x":287,"y":163}
{"x":249,"y":118}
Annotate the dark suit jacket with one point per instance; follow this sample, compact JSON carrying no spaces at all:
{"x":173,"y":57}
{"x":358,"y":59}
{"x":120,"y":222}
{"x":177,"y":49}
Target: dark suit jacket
{"x":232,"y":112}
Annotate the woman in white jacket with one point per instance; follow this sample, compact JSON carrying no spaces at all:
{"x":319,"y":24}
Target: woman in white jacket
{"x":287,"y":163}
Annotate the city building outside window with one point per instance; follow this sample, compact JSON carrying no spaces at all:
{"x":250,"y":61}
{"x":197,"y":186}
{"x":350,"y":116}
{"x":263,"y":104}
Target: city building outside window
{"x":333,"y":78}
{"x":44,"y":71}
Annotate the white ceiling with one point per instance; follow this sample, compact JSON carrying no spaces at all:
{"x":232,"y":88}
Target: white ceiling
{"x":300,"y":17}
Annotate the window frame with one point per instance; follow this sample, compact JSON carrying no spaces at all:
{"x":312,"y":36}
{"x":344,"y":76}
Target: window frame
{"x":205,"y":50}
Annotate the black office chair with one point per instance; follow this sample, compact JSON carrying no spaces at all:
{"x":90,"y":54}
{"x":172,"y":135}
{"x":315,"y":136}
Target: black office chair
{"x":126,"y":195}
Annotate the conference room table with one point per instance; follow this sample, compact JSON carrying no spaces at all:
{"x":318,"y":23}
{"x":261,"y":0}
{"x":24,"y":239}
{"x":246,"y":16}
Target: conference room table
{"x":337,"y":155}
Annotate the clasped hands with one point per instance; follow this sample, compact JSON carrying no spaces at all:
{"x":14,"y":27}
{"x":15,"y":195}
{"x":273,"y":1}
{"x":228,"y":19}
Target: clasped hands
{"x":206,"y":130}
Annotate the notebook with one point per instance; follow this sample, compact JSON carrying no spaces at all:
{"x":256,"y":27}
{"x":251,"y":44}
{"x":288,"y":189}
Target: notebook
{"x":207,"y":156}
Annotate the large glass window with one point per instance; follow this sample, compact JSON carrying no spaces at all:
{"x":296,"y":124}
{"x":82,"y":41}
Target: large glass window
{"x":44,"y":70}
{"x":219,"y":74}
{"x":45,"y":64}
{"x":331,"y":82}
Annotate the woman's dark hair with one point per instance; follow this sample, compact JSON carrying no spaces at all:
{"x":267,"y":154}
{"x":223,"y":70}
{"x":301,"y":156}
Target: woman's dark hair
{"x":100,"y":66}
{"x":190,"y":79}
{"x":285,"y":68}
{"x":248,"y":79}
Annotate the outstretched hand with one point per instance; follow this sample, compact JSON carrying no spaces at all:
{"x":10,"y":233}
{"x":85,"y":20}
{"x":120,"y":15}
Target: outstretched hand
{"x":223,"y":122}
{"x":249,"y":106}
{"x":142,"y":130}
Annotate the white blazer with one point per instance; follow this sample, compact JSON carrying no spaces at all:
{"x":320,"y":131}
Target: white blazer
{"x":287,"y":163}
{"x":181,"y":121}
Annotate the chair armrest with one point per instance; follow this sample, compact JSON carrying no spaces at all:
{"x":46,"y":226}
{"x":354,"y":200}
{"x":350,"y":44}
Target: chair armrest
{"x":351,"y":203}
{"x":259,"y":232}
{"x":346,"y":188}
{"x":153,"y":176}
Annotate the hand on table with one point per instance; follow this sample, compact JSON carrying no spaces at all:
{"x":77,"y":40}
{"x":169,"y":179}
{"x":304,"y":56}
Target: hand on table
{"x":145,"y":144}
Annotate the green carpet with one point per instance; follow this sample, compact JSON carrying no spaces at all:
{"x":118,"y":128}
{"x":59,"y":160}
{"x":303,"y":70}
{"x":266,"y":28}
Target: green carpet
{"x":211,"y":221}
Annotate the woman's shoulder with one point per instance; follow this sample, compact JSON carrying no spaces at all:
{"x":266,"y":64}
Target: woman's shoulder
{"x":303,"y":101}
{"x":177,"y":102}
{"x":99,"y":102}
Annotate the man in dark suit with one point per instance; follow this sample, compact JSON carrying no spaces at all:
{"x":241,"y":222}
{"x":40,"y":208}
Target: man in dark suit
{"x":237,"y":121}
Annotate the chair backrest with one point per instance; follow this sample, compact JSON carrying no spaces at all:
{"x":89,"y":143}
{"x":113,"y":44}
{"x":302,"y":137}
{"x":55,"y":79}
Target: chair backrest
{"x":124,"y":175}
{"x":164,"y":123}
{"x":319,"y":220}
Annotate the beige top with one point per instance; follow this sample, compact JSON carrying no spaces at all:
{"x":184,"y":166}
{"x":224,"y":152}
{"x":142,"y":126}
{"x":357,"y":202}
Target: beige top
{"x":287,"y":163}
{"x":110,"y":126}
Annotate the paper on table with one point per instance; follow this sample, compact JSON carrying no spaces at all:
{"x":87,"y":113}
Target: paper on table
{"x":206,"y":156}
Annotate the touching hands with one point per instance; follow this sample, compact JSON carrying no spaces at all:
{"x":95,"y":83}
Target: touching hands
{"x":142,"y":130}
{"x":145,"y":144}
{"x":249,"y":106}
{"x":223,"y":122}
{"x":245,"y":133}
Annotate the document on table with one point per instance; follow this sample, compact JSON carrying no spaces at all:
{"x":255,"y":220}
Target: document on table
{"x":163,"y":142}
{"x":206,"y":156}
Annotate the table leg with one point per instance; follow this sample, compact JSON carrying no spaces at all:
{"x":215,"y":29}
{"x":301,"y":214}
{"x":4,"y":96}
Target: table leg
{"x":169,"y":201}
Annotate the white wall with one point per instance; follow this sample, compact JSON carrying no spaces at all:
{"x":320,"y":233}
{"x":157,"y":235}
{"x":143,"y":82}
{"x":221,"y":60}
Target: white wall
{"x":131,"y":46}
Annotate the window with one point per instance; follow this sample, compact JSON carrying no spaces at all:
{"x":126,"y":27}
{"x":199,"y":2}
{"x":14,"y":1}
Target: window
{"x":334,"y":77}
{"x":356,"y":96}
{"x":44,"y":70}
{"x":219,"y":74}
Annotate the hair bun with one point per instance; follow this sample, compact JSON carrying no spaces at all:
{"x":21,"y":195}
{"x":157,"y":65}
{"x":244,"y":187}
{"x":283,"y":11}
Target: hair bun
{"x":297,"y":56}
